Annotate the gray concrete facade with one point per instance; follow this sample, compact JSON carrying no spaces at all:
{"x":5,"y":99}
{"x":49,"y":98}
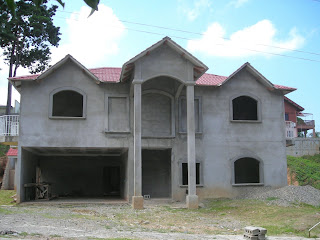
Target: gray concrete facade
{"x":121,"y":120}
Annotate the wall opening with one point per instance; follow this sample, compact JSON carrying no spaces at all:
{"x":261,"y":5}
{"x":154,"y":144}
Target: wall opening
{"x":247,"y":170}
{"x":67,"y":103}
{"x":156,"y":173}
{"x":245,"y":108}
{"x":185,"y":173}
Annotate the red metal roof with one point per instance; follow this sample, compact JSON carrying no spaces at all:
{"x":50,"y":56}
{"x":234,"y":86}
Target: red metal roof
{"x":112,"y":75}
{"x":12,"y":152}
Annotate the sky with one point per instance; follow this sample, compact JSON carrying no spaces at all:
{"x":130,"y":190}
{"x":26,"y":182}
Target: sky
{"x":281,"y":39}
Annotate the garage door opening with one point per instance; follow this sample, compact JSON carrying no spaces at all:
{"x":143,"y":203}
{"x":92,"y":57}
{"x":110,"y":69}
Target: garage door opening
{"x":156,"y":173}
{"x":93,"y":173}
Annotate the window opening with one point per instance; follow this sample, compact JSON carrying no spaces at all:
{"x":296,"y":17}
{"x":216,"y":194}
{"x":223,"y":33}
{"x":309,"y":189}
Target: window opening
{"x":185,"y":173}
{"x":67,"y":103}
{"x":246,"y":170}
{"x":244,"y":108}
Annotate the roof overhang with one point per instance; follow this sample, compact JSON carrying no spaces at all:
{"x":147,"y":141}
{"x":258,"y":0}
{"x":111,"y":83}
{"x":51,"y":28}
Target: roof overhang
{"x":199,"y":67}
{"x":16,"y":81}
{"x":264,"y":81}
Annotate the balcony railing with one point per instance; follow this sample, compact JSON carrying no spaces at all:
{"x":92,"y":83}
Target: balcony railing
{"x":9,"y":125}
{"x":290,"y":129}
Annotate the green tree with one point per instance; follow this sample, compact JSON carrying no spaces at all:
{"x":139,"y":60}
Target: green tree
{"x":11,"y":5}
{"x":26,"y":37}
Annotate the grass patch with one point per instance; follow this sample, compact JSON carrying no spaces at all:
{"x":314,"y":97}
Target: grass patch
{"x":5,"y":197}
{"x":306,"y":168}
{"x":278,"y":220}
{"x":272,"y":198}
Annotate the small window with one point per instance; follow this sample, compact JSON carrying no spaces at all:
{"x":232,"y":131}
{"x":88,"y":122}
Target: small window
{"x":245,"y":108}
{"x":183,"y":115}
{"x":286,"y":116}
{"x":185,"y":173}
{"x":67,"y":103}
{"x":246,"y":170}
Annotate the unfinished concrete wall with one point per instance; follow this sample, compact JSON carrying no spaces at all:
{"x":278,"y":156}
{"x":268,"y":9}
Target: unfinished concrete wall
{"x":219,"y":142}
{"x":304,"y":146}
{"x":26,"y":168}
{"x":156,"y":173}
{"x":156,"y":115}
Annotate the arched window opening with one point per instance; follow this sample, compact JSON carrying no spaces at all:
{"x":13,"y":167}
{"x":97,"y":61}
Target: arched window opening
{"x":245,"y":108}
{"x":67,"y":103}
{"x":246,"y":170}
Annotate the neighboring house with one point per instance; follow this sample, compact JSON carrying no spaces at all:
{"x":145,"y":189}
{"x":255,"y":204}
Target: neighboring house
{"x":9,"y":177}
{"x":298,"y":122}
{"x":158,"y":127}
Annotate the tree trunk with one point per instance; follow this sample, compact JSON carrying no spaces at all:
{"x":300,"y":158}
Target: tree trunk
{"x":9,"y":96}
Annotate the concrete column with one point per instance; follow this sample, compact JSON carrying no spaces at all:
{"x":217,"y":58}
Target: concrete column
{"x":192,"y":198}
{"x":137,"y":199}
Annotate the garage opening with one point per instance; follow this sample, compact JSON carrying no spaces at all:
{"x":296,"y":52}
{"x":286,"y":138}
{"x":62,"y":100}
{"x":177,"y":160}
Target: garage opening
{"x":246,"y":170}
{"x":82,"y":173}
{"x":156,"y":173}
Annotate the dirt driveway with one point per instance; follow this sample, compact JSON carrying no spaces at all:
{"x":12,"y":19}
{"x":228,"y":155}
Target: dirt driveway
{"x":116,"y":221}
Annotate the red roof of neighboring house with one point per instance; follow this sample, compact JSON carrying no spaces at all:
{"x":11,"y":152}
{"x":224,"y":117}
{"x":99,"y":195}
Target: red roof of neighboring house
{"x":12,"y":152}
{"x":112,"y":75}
{"x":293,"y":103}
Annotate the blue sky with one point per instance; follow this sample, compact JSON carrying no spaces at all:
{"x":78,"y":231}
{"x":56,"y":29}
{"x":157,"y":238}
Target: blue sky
{"x":226,"y":34}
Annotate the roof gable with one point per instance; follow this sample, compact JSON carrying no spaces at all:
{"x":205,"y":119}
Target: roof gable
{"x":199,"y":67}
{"x":38,"y":77}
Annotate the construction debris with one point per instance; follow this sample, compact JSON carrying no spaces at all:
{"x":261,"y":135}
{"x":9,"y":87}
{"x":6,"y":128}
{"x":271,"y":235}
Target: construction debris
{"x":255,"y":233}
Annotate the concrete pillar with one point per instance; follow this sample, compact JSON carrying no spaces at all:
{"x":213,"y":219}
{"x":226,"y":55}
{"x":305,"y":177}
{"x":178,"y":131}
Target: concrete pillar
{"x":192,"y":198}
{"x":137,"y":199}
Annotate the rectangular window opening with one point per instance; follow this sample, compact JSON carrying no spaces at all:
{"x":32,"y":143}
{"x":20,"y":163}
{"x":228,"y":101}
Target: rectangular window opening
{"x":185,"y":173}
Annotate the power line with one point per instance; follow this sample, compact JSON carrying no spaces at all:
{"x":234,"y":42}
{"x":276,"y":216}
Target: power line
{"x":184,"y":38}
{"x":202,"y":34}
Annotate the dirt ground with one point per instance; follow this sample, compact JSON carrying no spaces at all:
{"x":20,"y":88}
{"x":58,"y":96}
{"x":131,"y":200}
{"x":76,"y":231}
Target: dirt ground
{"x":90,"y":220}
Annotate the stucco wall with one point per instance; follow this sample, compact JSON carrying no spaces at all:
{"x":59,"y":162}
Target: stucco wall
{"x":221,"y":141}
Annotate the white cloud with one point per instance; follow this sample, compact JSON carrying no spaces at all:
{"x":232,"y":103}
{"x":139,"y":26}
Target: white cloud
{"x":91,"y":40}
{"x":238,"y":3}
{"x":252,"y":40}
{"x":193,"y":12}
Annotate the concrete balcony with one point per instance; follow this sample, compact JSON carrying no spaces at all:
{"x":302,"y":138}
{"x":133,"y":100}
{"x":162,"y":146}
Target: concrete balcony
{"x":9,"y":129}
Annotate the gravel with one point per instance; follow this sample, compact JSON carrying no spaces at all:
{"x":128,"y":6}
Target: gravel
{"x":284,"y":196}
{"x":82,"y":221}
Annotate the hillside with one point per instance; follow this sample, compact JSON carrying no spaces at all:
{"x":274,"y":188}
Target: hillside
{"x":306,"y":169}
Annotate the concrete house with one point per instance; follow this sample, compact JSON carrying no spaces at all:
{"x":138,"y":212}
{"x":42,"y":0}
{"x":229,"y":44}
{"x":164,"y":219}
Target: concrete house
{"x":158,"y":127}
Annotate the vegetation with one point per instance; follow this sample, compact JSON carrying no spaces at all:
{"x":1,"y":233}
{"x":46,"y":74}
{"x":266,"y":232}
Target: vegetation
{"x":11,"y":5}
{"x":5,"y":197}
{"x":3,"y":150}
{"x":306,"y":169}
{"x":26,"y":38}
